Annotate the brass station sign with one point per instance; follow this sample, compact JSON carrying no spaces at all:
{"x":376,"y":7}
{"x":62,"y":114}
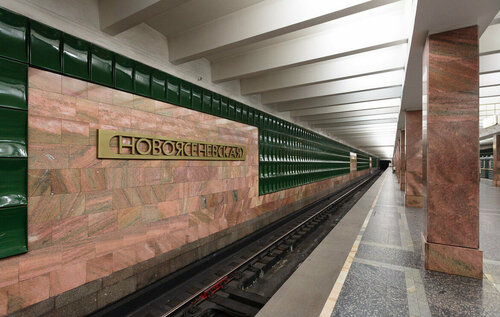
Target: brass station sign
{"x":131,"y":146}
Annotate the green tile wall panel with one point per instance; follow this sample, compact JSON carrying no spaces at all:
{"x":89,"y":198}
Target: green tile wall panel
{"x":223,"y":107}
{"x":101,"y":66}
{"x":13,"y":135}
{"x":13,"y":231}
{"x":206,"y":101}
{"x":13,"y":84}
{"x":238,"y":110}
{"x":142,"y":79}
{"x":159,"y":85}
{"x":173,"y":89}
{"x":45,"y":46}
{"x":124,"y":73}
{"x":13,"y":191}
{"x":244,"y":114}
{"x":216,"y":104}
{"x":231,"y":113}
{"x":13,"y":35}
{"x":185,"y":94}
{"x":75,"y":57}
{"x":196,"y":97}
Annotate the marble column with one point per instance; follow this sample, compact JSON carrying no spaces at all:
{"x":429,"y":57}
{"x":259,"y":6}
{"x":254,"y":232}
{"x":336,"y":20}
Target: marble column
{"x":413,"y":179}
{"x":451,"y":116}
{"x":402,"y":161}
{"x":397,"y":159}
{"x":496,"y":160}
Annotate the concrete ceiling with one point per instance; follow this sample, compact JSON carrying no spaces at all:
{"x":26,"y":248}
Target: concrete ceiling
{"x":347,"y":68}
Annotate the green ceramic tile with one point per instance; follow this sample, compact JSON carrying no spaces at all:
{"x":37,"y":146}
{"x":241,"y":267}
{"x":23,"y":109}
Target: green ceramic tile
{"x":124,"y":73}
{"x":13,"y":84}
{"x":13,"y":231}
{"x":223,"y":107}
{"x":173,"y":89}
{"x":238,"y":111}
{"x":158,"y":85}
{"x":45,"y":46}
{"x":196,"y":97}
{"x":231,"y":113}
{"x":142,"y":79}
{"x":207,"y":101}
{"x":76,"y":57}
{"x":244,"y":114}
{"x":13,"y":127}
{"x":13,"y":35}
{"x":185,"y":96}
{"x":215,"y":104}
{"x":101,"y":69}
{"x":13,"y":191}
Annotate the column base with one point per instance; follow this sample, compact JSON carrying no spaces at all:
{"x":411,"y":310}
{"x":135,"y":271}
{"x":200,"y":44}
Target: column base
{"x":454,"y":260}
{"x":414,"y":201}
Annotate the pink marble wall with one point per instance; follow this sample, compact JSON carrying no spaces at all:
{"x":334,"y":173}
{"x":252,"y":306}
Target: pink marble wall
{"x":496,"y":160}
{"x":88,"y":218}
{"x":414,"y":185}
{"x":452,"y":148}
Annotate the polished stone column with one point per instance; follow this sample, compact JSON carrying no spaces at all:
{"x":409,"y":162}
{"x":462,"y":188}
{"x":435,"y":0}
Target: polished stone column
{"x":413,"y":179}
{"x":496,"y":160}
{"x":402,"y":161}
{"x":451,"y":113}
{"x":396,"y":160}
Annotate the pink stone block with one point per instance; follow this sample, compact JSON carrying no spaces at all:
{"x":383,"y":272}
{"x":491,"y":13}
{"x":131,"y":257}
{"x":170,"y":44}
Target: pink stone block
{"x":44,"y":130}
{"x":67,"y":277}
{"x":82,"y":156}
{"x":78,"y":251}
{"x":39,"y":262}
{"x":72,"y":205}
{"x":47,"y":156}
{"x":44,"y":80}
{"x":39,"y":236}
{"x":70,"y":229}
{"x":454,"y":260}
{"x":103,"y":222}
{"x":39,"y":183}
{"x":129,"y":217}
{"x":99,"y":267}
{"x":75,"y":132}
{"x":100,"y":93}
{"x":123,"y":258}
{"x":98,"y":201}
{"x":65,"y":181}
{"x":108,"y":243}
{"x":9,"y":271}
{"x":43,"y":209}
{"x":51,"y":105}
{"x":74,"y":87}
{"x":87,"y":111}
{"x":93,"y":179}
{"x":34,"y":290}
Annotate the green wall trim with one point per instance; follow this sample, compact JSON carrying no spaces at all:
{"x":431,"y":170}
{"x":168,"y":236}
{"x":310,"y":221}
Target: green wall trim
{"x":14,"y":231}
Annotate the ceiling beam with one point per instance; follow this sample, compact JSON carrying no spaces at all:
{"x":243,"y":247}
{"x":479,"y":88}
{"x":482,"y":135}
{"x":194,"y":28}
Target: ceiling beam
{"x":259,"y":22}
{"x":350,"y":114}
{"x":371,"y":62}
{"x":394,"y":115}
{"x":369,"y":82}
{"x":116,"y":16}
{"x":353,"y":34}
{"x":350,"y":123}
{"x":341,"y":99}
{"x":369,"y":105}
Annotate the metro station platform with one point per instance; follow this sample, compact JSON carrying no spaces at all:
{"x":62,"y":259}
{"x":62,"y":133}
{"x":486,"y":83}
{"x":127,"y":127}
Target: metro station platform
{"x":372,"y":264}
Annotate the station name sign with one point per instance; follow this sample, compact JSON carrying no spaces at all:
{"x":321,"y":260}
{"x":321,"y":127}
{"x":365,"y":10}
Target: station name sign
{"x":122,"y":145}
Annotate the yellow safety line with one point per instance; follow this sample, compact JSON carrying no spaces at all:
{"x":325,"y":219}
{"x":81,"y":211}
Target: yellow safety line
{"x":337,"y":287}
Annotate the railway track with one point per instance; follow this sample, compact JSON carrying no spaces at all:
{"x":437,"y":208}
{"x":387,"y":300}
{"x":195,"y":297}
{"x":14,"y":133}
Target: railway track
{"x":218,"y":285}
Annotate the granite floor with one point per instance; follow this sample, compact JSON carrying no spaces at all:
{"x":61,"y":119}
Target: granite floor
{"x":387,"y":276}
